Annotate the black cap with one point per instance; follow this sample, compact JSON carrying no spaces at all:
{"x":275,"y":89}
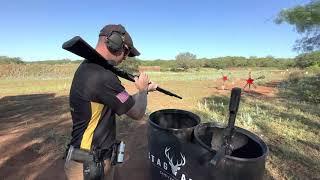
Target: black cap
{"x":106,"y":30}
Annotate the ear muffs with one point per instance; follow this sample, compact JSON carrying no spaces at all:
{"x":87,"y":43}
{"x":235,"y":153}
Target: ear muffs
{"x":115,"y":41}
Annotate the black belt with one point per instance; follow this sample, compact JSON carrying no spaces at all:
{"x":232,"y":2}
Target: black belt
{"x":81,"y":155}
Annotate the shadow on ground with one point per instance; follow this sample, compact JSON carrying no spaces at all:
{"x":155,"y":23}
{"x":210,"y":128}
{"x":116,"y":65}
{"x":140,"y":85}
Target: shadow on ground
{"x":35,"y":129}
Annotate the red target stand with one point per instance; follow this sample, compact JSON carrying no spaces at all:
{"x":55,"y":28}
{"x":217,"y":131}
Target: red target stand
{"x":224,"y":79}
{"x":250,"y":81}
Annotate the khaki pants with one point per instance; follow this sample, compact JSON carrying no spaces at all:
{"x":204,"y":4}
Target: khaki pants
{"x":74,"y":170}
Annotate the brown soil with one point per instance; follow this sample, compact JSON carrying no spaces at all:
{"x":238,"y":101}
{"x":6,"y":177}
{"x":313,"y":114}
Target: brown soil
{"x":35,"y":128}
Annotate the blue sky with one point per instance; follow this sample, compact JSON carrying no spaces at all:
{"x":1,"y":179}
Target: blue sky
{"x":36,"y":29}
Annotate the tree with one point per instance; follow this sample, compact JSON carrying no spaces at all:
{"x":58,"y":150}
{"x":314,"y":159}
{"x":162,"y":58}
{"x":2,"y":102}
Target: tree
{"x":308,"y":59}
{"x":10,"y":60}
{"x":131,"y":65}
{"x":306,"y":20}
{"x":186,"y":56}
{"x":185,"y":60}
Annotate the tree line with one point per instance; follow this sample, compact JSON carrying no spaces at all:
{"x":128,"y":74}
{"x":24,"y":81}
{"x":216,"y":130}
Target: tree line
{"x":187,"y":60}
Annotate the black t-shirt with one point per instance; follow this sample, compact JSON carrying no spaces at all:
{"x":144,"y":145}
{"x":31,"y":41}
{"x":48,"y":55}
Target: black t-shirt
{"x":96,"y":94}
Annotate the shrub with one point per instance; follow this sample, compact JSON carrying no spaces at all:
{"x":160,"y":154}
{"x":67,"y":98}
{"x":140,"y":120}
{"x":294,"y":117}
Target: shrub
{"x":303,"y":87}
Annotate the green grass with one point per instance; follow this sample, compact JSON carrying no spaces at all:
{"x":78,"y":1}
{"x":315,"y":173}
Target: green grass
{"x":303,"y":87}
{"x":30,"y":86}
{"x":289,"y":126}
{"x":213,"y":74}
{"x":22,"y":79}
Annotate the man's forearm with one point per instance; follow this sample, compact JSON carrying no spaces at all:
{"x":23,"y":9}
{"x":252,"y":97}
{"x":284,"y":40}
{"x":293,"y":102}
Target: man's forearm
{"x":139,"y":108}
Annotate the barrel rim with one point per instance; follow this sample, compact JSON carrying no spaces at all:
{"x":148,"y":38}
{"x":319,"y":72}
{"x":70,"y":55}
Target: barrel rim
{"x":194,"y":116}
{"x":250,"y":135}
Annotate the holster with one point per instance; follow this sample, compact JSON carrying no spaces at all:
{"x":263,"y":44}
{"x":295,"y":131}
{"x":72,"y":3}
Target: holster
{"x":93,"y":165}
{"x":93,"y":170}
{"x":93,"y":161}
{"x":114,"y":156}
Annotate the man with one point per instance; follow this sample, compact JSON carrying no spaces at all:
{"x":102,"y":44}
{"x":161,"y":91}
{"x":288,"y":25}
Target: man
{"x":96,"y":95}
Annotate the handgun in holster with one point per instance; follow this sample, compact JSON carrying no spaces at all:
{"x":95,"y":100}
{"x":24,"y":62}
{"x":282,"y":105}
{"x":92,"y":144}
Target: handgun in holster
{"x":93,"y":165}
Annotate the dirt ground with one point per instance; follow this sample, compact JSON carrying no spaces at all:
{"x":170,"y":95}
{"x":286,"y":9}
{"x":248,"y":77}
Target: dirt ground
{"x":34,"y":129}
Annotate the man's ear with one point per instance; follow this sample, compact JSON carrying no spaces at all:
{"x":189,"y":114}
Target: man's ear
{"x":118,"y":53}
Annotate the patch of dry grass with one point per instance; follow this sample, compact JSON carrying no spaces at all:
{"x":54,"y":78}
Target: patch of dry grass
{"x":290,"y":128}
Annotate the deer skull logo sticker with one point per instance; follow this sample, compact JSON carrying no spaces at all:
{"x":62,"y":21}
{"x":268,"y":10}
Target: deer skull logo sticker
{"x":179,"y":163}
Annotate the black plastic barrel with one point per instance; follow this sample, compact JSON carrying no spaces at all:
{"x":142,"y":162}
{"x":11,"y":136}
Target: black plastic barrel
{"x":170,"y":134}
{"x":247,"y":162}
{"x":180,"y":149}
